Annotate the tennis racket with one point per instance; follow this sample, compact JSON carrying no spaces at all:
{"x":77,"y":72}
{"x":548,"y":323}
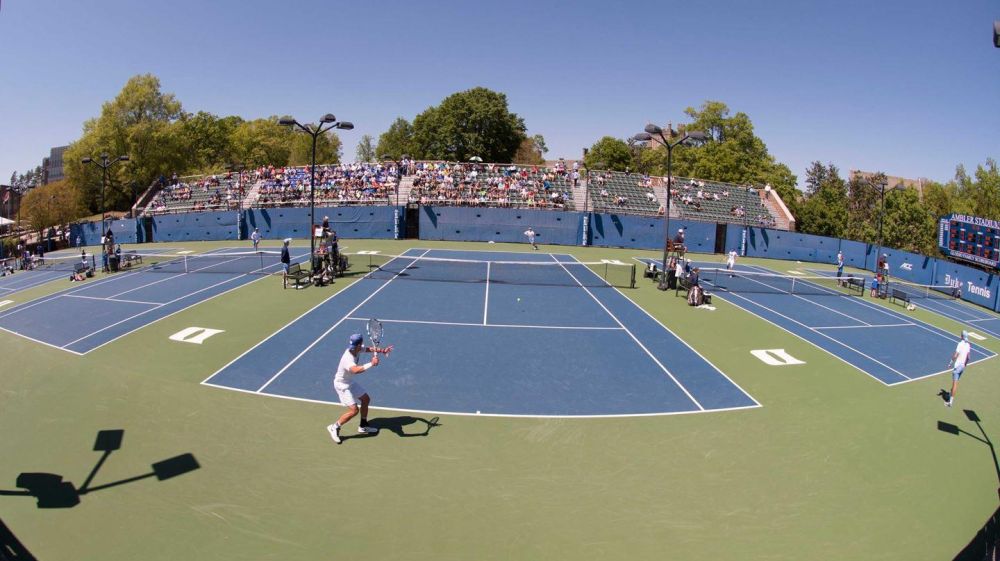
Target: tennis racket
{"x":374,"y":330}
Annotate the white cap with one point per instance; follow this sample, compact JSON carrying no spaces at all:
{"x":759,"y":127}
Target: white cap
{"x":288,"y":241}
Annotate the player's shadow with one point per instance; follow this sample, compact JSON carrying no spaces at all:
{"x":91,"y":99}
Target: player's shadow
{"x":51,"y":491}
{"x":987,"y":538}
{"x":405,"y":426}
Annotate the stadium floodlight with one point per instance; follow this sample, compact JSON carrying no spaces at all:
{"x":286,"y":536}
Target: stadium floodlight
{"x":326,"y":123}
{"x":655,"y":133}
{"x":104,"y":163}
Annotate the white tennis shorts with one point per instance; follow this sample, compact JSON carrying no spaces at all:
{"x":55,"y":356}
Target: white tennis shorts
{"x":350,"y":394}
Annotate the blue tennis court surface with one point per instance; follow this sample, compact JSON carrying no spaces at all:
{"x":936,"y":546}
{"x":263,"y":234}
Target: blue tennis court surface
{"x":974,"y":316}
{"x":883,"y":343}
{"x":23,"y":280}
{"x":558,"y":344}
{"x":91,"y":314}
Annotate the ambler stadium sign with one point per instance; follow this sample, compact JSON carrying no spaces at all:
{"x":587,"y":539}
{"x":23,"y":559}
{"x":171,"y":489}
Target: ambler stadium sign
{"x":970,"y":238}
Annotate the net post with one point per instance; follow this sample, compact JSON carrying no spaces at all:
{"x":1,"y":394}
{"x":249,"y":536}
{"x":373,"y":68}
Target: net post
{"x":632,"y":279}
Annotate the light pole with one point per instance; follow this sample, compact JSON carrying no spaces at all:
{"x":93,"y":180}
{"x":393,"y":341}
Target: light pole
{"x":655,"y":133}
{"x":883,"y":183}
{"x":314,"y":131}
{"x":238,"y":168}
{"x":104,"y":163}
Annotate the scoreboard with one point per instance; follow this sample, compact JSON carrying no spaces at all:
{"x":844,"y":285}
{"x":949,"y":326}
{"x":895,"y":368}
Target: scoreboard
{"x":970,"y":238}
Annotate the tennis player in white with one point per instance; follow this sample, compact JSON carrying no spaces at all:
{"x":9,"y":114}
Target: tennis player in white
{"x":351,"y":393}
{"x":531,"y":237}
{"x":731,"y":260}
{"x":958,"y":360}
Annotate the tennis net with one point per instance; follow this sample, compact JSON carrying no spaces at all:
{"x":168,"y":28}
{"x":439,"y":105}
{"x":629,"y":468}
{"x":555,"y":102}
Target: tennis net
{"x":244,"y":262}
{"x":914,"y":290}
{"x":773,"y":283}
{"x":541,"y":273}
{"x":62,"y":263}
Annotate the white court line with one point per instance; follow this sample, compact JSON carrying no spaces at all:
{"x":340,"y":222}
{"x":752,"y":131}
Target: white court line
{"x":863,"y":326}
{"x":170,"y":277}
{"x":465,"y":414}
{"x":983,"y":319}
{"x":824,"y":335}
{"x":167,"y":303}
{"x":486,"y":303}
{"x":23,"y":336}
{"x":64,"y":292}
{"x":804,"y":299}
{"x":630,"y":334}
{"x":461,"y":324}
{"x":334,"y":326}
{"x":110,"y":299}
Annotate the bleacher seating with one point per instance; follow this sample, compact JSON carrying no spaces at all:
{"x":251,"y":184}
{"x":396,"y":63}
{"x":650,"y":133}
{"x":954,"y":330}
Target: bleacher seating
{"x":495,"y":185}
{"x":627,"y":193}
{"x":210,"y":192}
{"x":467,"y":184}
{"x":720,"y":202}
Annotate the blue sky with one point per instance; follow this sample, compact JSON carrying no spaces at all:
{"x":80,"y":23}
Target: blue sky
{"x":909,"y":88}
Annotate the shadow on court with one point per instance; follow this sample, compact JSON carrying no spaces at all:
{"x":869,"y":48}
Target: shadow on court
{"x":404,"y":426}
{"x":51,"y":491}
{"x":986,"y":543}
{"x":11,"y":548}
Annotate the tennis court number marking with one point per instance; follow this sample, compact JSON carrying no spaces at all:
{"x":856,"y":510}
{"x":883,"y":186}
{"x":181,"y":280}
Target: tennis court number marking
{"x":367,"y":252}
{"x":972,"y":334}
{"x":196,"y":335}
{"x":776,"y":357}
{"x":612,"y":261}
{"x":5,"y":302}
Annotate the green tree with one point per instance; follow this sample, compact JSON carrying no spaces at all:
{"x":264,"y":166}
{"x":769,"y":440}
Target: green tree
{"x":983,"y":193}
{"x":261,"y":142}
{"x":863,"y":207}
{"x":50,"y":205}
{"x":824,"y":209}
{"x":366,"y":149}
{"x":613,"y":153}
{"x":397,"y":141}
{"x":732,"y":153}
{"x":207,"y":140}
{"x":907,"y":224}
{"x":138,"y":123}
{"x":528,"y":154}
{"x":938,"y":199}
{"x":328,"y":149}
{"x":474,"y":122}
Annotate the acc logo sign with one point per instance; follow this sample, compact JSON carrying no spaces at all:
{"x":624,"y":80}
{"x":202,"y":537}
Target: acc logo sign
{"x":906,"y":266}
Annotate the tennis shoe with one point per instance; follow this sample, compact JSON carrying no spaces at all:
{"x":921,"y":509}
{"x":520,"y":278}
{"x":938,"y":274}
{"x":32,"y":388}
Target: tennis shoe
{"x":368,"y":430}
{"x":947,"y":403}
{"x":334,"y":433}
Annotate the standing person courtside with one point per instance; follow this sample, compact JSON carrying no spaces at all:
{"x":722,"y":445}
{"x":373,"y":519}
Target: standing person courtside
{"x":958,"y":361}
{"x":255,"y":238}
{"x":731,"y":260}
{"x":840,"y":266}
{"x":352,"y":394}
{"x":531,"y":237}
{"x":286,"y":258}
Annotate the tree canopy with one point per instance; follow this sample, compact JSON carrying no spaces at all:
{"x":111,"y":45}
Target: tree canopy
{"x":475,"y":122}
